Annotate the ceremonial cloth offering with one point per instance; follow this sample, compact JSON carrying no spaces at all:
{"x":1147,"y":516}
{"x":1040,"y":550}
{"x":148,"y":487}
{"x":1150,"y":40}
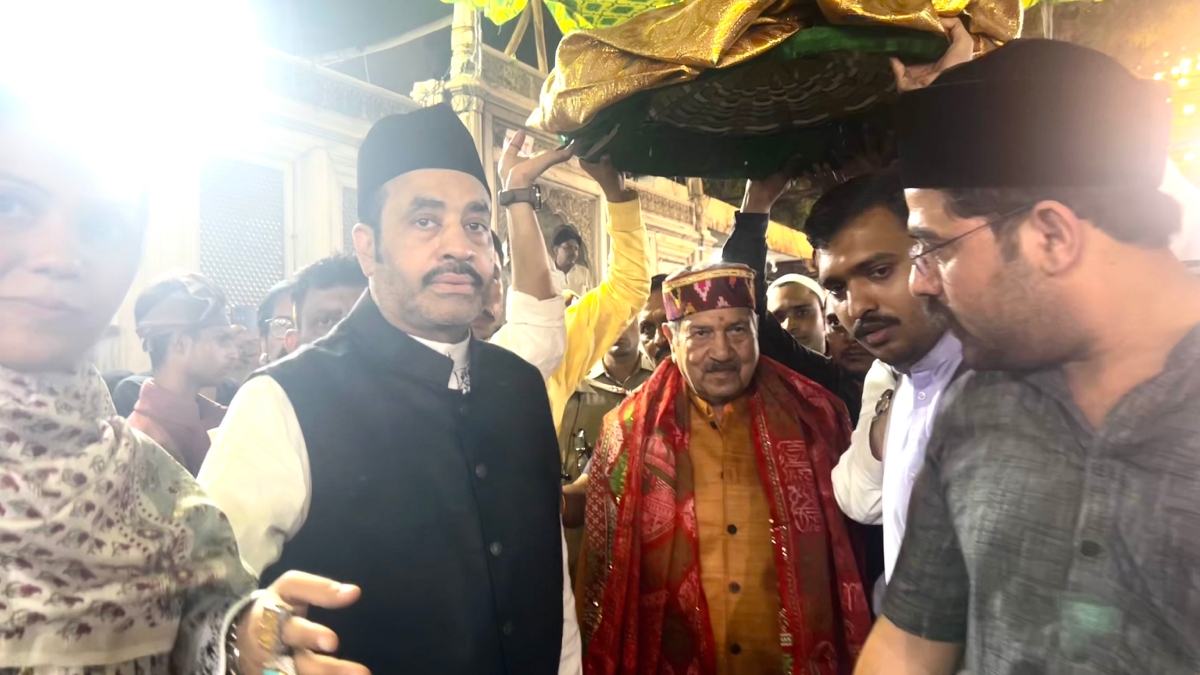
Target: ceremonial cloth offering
{"x":570,"y":15}
{"x":733,"y":88}
{"x":644,"y":611}
{"x":690,"y":291}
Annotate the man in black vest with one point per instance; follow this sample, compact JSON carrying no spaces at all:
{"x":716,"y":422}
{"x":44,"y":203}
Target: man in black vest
{"x":402,"y":456}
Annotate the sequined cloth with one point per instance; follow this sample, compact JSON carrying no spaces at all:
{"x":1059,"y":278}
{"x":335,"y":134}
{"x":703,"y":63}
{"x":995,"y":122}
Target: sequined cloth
{"x":596,"y":68}
{"x":571,"y":15}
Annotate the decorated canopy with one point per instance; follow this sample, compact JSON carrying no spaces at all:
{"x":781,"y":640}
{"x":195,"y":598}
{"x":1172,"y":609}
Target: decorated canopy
{"x":571,"y":15}
{"x":733,"y":88}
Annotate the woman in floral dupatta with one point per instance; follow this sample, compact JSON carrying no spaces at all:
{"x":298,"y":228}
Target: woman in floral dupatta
{"x":107,"y":542}
{"x":112,"y":561}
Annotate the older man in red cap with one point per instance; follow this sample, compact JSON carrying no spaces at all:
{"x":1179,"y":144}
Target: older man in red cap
{"x":715,"y":545}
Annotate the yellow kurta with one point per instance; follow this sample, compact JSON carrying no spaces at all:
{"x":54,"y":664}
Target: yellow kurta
{"x":595,"y":322}
{"x":737,"y":563}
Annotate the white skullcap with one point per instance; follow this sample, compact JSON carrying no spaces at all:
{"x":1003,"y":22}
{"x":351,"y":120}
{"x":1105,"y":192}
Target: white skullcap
{"x":807,"y":282}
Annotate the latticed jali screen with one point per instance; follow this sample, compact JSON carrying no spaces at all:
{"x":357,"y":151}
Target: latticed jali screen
{"x":242,"y":228}
{"x":349,"y":217}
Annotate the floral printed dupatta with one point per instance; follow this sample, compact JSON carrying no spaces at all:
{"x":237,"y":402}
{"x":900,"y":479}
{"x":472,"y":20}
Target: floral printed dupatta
{"x":103,"y":536}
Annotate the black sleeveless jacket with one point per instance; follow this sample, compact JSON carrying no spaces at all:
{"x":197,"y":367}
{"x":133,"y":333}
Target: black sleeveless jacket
{"x":443,"y":507}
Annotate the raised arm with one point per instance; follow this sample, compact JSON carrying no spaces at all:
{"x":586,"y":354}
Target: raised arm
{"x":595,"y":321}
{"x":748,"y":245}
{"x":536,"y":326}
{"x":530,"y":262}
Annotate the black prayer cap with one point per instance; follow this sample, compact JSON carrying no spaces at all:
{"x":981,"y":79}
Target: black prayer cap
{"x":429,"y":138}
{"x":1035,"y":113}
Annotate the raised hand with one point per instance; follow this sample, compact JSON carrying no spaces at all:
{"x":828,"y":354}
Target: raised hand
{"x":275,"y":625}
{"x":611,"y":181}
{"x":962,"y":48}
{"x":521,"y":172}
{"x":762,"y":193}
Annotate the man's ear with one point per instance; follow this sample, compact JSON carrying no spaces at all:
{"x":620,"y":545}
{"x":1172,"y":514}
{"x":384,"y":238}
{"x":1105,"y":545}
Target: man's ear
{"x":291,"y":340}
{"x":1055,"y":238}
{"x":181,"y":341}
{"x":365,"y":247}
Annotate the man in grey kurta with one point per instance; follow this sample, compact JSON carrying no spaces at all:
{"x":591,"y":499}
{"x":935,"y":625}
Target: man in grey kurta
{"x":1055,"y":527}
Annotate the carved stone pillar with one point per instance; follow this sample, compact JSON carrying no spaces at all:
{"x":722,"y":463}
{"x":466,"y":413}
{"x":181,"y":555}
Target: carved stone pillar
{"x":466,"y":58}
{"x":466,"y":44}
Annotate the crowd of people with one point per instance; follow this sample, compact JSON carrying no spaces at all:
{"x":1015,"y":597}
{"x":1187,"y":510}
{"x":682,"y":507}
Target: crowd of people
{"x":451,"y":453}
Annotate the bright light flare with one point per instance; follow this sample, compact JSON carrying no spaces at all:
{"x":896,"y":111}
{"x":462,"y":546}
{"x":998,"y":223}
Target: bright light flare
{"x":145,"y":84}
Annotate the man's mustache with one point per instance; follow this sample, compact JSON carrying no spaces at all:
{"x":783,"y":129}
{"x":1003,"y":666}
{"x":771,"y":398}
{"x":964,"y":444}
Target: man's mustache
{"x":721,"y":367}
{"x":453,"y":268}
{"x":872,"y":322}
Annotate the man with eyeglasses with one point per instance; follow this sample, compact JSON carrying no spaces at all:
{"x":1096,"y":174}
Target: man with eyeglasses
{"x":1054,"y":527}
{"x":274,"y":322}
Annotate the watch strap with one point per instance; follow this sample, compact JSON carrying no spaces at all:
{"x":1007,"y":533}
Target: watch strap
{"x":530,"y":195}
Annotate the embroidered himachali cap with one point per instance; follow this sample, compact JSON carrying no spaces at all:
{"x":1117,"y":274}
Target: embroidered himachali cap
{"x":717,"y":286}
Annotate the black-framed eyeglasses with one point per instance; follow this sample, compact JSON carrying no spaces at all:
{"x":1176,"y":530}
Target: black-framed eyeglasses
{"x":920,"y":250}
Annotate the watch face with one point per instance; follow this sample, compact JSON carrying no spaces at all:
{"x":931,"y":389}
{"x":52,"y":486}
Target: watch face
{"x":884,"y":402}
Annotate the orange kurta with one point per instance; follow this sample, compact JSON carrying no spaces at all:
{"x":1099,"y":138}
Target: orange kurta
{"x":737,"y":563}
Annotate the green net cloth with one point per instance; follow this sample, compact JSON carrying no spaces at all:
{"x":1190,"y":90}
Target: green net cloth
{"x":808,"y":97}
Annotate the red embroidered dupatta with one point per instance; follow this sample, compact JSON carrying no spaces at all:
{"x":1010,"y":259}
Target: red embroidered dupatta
{"x":643,"y":607}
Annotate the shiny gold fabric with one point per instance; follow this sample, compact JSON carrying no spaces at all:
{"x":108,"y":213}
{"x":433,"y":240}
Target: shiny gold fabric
{"x":597,"y":68}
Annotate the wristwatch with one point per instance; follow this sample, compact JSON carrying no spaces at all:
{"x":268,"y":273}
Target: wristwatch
{"x":530,"y":195}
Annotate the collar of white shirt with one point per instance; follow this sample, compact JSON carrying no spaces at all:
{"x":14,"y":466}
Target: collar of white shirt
{"x":459,"y":353}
